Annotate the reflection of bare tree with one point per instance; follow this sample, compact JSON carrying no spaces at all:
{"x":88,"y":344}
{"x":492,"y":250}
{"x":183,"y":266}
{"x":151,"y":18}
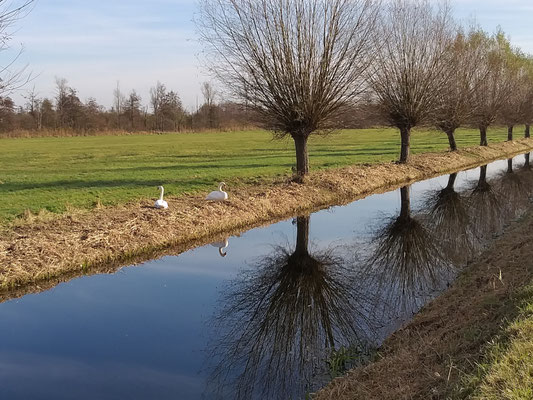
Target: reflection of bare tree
{"x":448,"y":215}
{"x":408,"y":262}
{"x":485,"y":208}
{"x":514,"y":188}
{"x":283,"y":318}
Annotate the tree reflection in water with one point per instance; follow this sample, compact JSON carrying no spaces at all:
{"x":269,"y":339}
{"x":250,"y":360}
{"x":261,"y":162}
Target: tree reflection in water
{"x":408,"y":262}
{"x":282,"y":319}
{"x":485,"y":208}
{"x":514,"y":188}
{"x":450,"y":222}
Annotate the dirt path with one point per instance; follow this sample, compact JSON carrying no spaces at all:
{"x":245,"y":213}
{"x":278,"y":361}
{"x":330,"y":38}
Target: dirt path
{"x":427,"y":358}
{"x":34,"y":254}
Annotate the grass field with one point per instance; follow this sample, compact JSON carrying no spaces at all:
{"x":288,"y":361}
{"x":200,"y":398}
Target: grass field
{"x":80,"y":172}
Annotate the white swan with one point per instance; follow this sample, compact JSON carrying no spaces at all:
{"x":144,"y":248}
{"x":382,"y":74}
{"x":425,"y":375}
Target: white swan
{"x":161,"y":203}
{"x":221,"y":247}
{"x":218,"y":195}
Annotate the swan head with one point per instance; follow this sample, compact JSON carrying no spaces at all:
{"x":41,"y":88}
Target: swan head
{"x":221,"y":185}
{"x":160,"y":187}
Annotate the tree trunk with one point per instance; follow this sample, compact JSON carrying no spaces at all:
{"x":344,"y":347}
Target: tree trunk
{"x":405,"y":210}
{"x":527,"y":160}
{"x":302,"y":235}
{"x":482,"y":183}
{"x":302,"y":157}
{"x":526,"y":132}
{"x":510,"y":165}
{"x":405,"y":134}
{"x":451,"y":181}
{"x":451,"y":139}
{"x":510,"y":133}
{"x":483,"y":135}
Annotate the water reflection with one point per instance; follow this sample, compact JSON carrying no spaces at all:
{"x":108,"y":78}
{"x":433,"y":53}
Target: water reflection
{"x":222,"y":246}
{"x":485,"y":208}
{"x":282,"y":318}
{"x":449,"y":219}
{"x":408,"y":261}
{"x":514,"y":188}
{"x":285,"y":315}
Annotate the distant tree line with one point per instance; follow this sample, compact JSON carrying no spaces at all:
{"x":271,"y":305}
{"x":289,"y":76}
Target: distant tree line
{"x":163,"y":111}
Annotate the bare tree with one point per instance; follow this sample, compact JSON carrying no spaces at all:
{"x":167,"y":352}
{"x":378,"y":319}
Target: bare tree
{"x":296,"y":64}
{"x":209,"y":93}
{"x":11,"y":77}
{"x":491,"y":94}
{"x":118,"y":103}
{"x":410,"y":68}
{"x":62,"y":90}
{"x":514,"y":107}
{"x":34,"y":107}
{"x":68,"y":106}
{"x":157,"y":94}
{"x":133,"y":107}
{"x":453,"y":105}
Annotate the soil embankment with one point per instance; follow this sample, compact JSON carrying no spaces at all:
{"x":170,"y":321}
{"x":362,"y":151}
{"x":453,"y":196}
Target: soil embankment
{"x":431,"y":356}
{"x":36,"y":255}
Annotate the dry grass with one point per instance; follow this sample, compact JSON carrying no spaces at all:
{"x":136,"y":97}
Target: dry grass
{"x":43,"y":133}
{"x":431,"y":356}
{"x":44,"y":247}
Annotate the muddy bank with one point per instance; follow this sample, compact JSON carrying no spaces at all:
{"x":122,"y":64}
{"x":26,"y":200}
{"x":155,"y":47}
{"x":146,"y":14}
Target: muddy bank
{"x":102,"y":240}
{"x":429,"y":357}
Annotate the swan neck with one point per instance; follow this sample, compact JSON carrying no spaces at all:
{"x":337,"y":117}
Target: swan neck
{"x":161,"y":195}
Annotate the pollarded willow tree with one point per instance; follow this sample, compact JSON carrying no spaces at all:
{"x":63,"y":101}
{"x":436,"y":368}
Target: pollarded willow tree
{"x":296,"y":63}
{"x":514,"y":107}
{"x":411,"y":64}
{"x":453,"y":105}
{"x":491,"y":95}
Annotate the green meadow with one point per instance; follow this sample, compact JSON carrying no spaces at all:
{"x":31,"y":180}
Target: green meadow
{"x":81,"y":172}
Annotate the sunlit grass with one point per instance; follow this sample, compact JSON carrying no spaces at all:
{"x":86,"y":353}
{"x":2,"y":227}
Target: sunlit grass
{"x":81,"y":172}
{"x":507,"y":370}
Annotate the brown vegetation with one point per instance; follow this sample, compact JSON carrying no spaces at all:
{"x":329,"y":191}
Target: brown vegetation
{"x":38,"y":249}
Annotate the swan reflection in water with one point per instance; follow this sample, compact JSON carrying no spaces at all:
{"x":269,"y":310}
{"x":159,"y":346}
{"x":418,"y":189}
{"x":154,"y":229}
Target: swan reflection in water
{"x":281,"y":319}
{"x":222,"y":246}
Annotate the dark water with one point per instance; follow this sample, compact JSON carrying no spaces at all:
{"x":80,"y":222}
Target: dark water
{"x":287,"y":308}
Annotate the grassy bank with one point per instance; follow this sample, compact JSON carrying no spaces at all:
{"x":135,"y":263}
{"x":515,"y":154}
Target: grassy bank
{"x":56,"y":174}
{"x":78,"y":242}
{"x":505,"y":371}
{"x":473,"y":342}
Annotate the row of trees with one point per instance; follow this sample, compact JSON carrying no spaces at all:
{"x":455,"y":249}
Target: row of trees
{"x":164,"y":112}
{"x":301,"y":64}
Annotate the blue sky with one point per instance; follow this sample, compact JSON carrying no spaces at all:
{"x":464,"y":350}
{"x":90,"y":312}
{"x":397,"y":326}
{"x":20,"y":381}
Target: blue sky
{"x":94,"y":44}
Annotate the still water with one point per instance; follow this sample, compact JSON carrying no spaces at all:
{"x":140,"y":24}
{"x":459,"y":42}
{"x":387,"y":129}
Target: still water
{"x":271,"y":314}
